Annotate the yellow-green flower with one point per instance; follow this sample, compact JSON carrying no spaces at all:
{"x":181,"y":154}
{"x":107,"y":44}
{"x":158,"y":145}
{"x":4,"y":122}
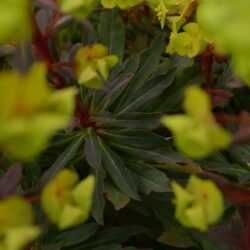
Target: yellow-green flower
{"x":31,"y":112}
{"x":199,"y":205}
{"x":16,"y":224}
{"x":66,"y":201}
{"x":188,"y":43}
{"x":172,"y":12}
{"x":226,"y":24}
{"x":15,"y":21}
{"x":197,"y":134}
{"x":78,"y":8}
{"x":93,"y":65}
{"x":123,"y":4}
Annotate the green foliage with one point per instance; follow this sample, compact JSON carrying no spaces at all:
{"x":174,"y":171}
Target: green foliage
{"x":87,"y":89}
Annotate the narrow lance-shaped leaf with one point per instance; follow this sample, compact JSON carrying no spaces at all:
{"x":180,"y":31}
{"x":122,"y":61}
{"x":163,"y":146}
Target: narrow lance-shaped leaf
{"x":92,"y":150}
{"x":98,"y":199}
{"x":115,"y":196}
{"x":112,"y":32}
{"x":64,"y":159}
{"x":118,"y":171}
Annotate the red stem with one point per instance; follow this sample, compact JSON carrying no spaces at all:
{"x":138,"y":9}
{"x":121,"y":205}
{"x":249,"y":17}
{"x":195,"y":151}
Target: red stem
{"x":42,"y":51}
{"x":49,"y":29}
{"x":207,"y":64}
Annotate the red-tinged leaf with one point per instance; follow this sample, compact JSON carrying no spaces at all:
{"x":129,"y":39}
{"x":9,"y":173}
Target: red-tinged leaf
{"x":10,"y":180}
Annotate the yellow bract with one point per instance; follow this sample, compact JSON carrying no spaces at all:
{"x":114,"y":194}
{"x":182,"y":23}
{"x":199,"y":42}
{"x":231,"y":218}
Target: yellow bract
{"x":93,"y":65}
{"x":226,"y":24}
{"x":15,"y":21}
{"x":197,"y":134}
{"x":16,"y":228}
{"x":188,"y":43}
{"x":66,"y":202}
{"x":199,"y":205}
{"x":172,"y":12}
{"x":30,"y":112}
{"x":123,"y":4}
{"x":78,"y":8}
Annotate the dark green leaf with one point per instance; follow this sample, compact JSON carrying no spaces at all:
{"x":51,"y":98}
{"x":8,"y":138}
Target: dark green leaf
{"x":76,"y":235}
{"x":177,"y":237}
{"x":111,"y":235}
{"x":135,"y":138}
{"x":98,"y":200}
{"x":115,"y":196}
{"x":115,"y":88}
{"x":151,"y":89}
{"x":112,"y":32}
{"x":64,"y":158}
{"x":130,"y":120}
{"x":158,"y":155}
{"x":118,"y":172}
{"x":149,"y":60}
{"x":92,"y":150}
{"x":147,"y":178}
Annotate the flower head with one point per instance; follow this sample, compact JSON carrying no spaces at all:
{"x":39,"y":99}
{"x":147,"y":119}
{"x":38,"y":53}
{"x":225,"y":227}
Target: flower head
{"x":66,"y":201}
{"x":199,"y":205}
{"x":93,"y":65}
{"x":31,"y":112}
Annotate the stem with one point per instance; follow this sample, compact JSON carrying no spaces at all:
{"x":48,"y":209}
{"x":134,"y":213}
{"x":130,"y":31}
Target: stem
{"x":242,"y":136}
{"x":42,"y":51}
{"x":207,"y":64}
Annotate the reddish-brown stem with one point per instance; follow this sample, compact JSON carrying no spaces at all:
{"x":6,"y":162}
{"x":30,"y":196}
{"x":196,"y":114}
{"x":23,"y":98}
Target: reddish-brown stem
{"x":42,"y":51}
{"x":207,"y":64}
{"x":49,"y":29}
{"x":242,"y":136}
{"x":242,"y":118}
{"x":84,"y":116}
{"x":32,"y":199}
{"x":63,"y":64}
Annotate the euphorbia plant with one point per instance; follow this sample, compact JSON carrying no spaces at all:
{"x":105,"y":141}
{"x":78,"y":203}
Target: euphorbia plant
{"x":86,"y":88}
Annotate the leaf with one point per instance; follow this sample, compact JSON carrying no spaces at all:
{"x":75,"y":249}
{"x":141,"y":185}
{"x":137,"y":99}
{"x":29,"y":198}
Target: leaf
{"x":92,"y":150}
{"x":118,"y":172}
{"x":98,"y":199}
{"x":110,"y":247}
{"x":76,"y":235}
{"x":111,"y":235}
{"x":135,"y":138}
{"x":158,"y":155}
{"x":149,"y":59}
{"x":116,"y":88}
{"x":63,"y":159}
{"x":151,"y":89}
{"x":177,"y":237}
{"x":6,"y":50}
{"x":206,"y":242}
{"x":115,"y":196}
{"x":112,"y":32}
{"x":136,"y":120}
{"x":148,"y":179}
{"x":10,"y":180}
